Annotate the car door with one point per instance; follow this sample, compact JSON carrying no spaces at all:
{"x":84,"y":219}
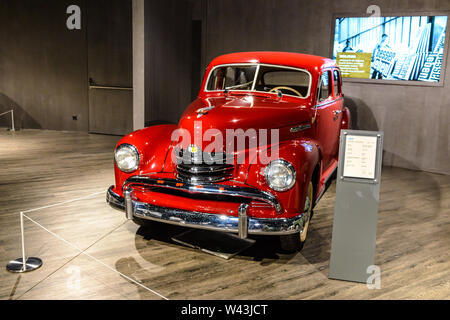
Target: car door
{"x":329,"y":106}
{"x":339,"y":108}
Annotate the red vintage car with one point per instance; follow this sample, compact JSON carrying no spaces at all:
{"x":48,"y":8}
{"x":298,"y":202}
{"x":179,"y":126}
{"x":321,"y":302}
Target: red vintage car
{"x":252,"y":155}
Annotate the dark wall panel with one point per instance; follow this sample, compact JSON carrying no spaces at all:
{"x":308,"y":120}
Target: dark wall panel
{"x":110,"y":42}
{"x":168,"y":60}
{"x":43,"y":69}
{"x":415,"y":119}
{"x":110,"y":64}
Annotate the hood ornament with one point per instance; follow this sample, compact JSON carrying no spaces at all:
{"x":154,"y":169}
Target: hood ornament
{"x":201,"y":112}
{"x":193,"y":149}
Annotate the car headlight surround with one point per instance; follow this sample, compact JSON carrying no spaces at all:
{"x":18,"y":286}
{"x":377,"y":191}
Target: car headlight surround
{"x":280,"y":175}
{"x":127,"y":158}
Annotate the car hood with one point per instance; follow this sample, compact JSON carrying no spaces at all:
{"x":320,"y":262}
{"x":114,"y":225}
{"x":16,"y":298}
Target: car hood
{"x":243,"y":112}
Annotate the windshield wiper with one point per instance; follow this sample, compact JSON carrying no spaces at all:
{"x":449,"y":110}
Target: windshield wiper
{"x":238,"y":86}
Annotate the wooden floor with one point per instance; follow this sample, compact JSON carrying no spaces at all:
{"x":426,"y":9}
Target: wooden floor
{"x":106,"y":257}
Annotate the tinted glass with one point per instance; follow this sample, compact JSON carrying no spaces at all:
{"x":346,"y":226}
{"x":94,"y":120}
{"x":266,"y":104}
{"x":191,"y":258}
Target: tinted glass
{"x":232,"y":78}
{"x":291,"y":82}
{"x":337,"y":83}
{"x":324,"y":91}
{"x":271,"y":79}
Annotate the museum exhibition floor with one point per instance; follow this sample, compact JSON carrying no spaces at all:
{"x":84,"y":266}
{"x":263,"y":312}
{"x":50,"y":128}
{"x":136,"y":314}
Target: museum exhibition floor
{"x":90,"y":251}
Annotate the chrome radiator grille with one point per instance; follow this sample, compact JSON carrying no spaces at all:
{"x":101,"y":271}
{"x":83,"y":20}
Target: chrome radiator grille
{"x":197,"y":167}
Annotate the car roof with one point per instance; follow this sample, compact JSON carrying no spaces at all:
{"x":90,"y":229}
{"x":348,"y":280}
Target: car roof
{"x":297,"y":60}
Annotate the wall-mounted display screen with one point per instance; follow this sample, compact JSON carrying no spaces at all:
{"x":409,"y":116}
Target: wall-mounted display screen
{"x":391,"y":48}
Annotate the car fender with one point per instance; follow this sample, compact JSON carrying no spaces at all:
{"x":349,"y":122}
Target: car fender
{"x":304,"y":155}
{"x":346,"y":119}
{"x":153,"y":144}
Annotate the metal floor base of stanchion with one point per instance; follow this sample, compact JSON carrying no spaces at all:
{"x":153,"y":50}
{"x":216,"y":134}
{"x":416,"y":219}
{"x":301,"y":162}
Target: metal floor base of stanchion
{"x":16,"y":266}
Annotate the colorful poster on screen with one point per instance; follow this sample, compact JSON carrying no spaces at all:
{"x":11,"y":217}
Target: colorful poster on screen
{"x":391,"y":48}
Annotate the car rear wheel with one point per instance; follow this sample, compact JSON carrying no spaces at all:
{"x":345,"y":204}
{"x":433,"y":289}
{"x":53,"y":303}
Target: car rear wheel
{"x":295,"y":242}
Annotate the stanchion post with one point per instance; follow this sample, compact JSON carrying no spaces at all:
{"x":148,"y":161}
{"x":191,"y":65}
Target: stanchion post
{"x":13,"y":128}
{"x":23,"y":264}
{"x":24,"y":258}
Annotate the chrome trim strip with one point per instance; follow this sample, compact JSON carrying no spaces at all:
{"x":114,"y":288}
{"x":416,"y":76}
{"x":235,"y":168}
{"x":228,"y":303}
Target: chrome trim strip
{"x":300,"y":128}
{"x":258,"y":69}
{"x":128,"y":204}
{"x":199,"y":220}
{"x":205,"y":169}
{"x":328,"y":102}
{"x":243,"y":221}
{"x":198,"y":180}
{"x":210,"y":189}
{"x":114,"y":200}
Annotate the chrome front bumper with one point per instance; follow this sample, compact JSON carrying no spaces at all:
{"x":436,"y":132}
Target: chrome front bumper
{"x":242,"y":225}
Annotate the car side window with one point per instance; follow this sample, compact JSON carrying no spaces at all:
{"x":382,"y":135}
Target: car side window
{"x":337,"y":83}
{"x":324,"y":87}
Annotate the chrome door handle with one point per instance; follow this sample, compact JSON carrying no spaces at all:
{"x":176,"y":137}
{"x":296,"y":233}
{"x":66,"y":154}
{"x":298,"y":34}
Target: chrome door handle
{"x":337,"y":112}
{"x":300,"y":128}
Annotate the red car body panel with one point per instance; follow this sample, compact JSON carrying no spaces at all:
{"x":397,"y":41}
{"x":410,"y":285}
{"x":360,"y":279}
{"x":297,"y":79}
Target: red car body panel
{"x":312,"y":152}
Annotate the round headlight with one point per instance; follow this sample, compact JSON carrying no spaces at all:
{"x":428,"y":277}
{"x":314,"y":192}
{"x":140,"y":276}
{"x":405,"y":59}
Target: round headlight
{"x":127,"y":158}
{"x":280,"y":175}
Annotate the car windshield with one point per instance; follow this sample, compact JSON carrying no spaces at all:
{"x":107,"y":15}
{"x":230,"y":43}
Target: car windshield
{"x":262,"y":78}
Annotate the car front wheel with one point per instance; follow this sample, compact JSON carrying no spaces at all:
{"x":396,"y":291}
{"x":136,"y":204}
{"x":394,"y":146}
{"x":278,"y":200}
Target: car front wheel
{"x":295,"y":242}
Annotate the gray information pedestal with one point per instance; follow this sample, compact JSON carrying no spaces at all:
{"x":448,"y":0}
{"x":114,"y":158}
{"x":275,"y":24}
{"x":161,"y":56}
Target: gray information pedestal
{"x":356,"y":208}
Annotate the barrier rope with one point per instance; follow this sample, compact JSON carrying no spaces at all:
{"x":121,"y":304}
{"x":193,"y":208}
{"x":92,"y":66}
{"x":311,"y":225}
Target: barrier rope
{"x":80,"y":250}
